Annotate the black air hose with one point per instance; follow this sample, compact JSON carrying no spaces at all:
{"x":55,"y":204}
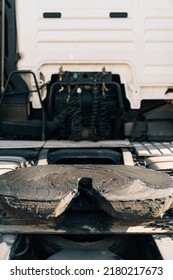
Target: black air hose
{"x":76,"y":126}
{"x":76,"y":119}
{"x":63,"y":124}
{"x":69,"y":119}
{"x":104,"y":127}
{"x":61,"y":118}
{"x":92,"y":135}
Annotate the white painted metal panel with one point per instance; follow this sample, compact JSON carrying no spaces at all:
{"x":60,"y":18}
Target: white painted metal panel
{"x":139,"y":48}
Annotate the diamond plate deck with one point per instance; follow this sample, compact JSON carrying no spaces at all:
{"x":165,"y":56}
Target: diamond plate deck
{"x":87,"y":144}
{"x":14,"y":144}
{"x":50,"y":144}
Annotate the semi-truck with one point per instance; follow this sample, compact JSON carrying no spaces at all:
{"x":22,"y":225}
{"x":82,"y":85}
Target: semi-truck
{"x":86,"y":128}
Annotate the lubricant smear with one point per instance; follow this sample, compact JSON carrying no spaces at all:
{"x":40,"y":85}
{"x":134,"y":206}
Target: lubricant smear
{"x":122,"y":191}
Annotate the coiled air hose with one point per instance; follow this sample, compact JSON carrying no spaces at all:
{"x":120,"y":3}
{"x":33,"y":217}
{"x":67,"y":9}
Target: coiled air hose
{"x":104,"y":127}
{"x":92,"y":132}
{"x":69,"y":118}
{"x":76,"y":119}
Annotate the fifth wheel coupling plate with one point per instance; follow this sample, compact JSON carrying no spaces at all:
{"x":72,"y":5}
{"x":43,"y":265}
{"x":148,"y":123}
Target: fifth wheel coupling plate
{"x":125,"y":192}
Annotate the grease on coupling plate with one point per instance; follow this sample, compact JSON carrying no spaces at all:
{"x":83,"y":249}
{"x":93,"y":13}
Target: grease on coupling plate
{"x":124,"y":192}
